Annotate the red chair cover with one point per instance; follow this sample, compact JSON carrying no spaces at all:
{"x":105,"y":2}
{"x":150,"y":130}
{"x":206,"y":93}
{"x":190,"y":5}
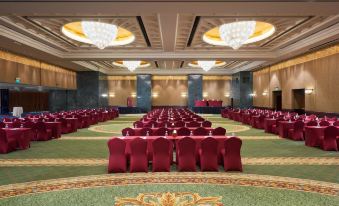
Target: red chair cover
{"x":324,"y":123}
{"x":184,"y":131}
{"x":231,"y":154}
{"x":162,"y":153}
{"x":209,"y":154}
{"x":329,"y":142}
{"x":206,"y":124}
{"x":200,"y":131}
{"x":2,"y":125}
{"x":43,"y":134}
{"x":138,"y":156}
{"x":144,"y":131}
{"x":219,"y":131}
{"x":193,"y":124}
{"x":138,"y":124}
{"x":336,"y":123}
{"x":179,"y":124}
{"x":297,"y":133}
{"x":162,"y":131}
{"x":312,"y":123}
{"x":117,"y":157}
{"x":128,"y":132}
{"x":186,"y":154}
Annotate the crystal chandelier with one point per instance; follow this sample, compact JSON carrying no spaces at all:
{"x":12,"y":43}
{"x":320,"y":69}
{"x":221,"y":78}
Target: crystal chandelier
{"x":100,"y":34}
{"x":237,"y":33}
{"x":131,"y":65}
{"x":206,"y":65}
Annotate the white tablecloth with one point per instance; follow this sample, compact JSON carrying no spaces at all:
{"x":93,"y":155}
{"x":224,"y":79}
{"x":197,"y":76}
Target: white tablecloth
{"x":17,"y":111}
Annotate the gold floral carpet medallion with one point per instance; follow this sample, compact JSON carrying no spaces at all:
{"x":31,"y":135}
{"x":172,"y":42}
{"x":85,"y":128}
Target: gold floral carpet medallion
{"x":169,"y":199}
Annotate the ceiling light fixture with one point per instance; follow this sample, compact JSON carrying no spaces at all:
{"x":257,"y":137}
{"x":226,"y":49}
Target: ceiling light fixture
{"x":206,"y":65}
{"x":237,"y":33}
{"x":131,"y":65}
{"x":100,"y":34}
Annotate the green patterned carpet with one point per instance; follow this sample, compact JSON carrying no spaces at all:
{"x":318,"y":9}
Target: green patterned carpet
{"x":264,"y":154}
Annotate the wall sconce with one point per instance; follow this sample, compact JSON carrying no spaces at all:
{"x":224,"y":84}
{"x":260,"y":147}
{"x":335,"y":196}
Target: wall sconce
{"x":276,"y":88}
{"x":155,"y":95}
{"x":252,"y":94}
{"x":309,"y":91}
{"x":265,"y":93}
{"x":133,"y":94}
{"x":227,"y":95}
{"x":205,"y":94}
{"x":183,"y":94}
{"x":104,"y":95}
{"x":112,"y":94}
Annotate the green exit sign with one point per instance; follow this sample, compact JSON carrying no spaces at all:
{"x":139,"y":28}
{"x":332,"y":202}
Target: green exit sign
{"x":17,"y":80}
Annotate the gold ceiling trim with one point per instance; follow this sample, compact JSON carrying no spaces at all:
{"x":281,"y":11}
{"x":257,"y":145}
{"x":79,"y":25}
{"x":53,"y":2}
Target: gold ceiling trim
{"x":209,"y":78}
{"x":19,"y":59}
{"x":32,"y":62}
{"x":118,"y":78}
{"x":305,"y":58}
{"x":169,"y":78}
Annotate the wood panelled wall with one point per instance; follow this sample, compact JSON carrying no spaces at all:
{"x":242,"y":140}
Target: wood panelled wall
{"x":170,"y":90}
{"x":34,"y":72}
{"x":318,"y":71}
{"x":30,"y":101}
{"x":120,"y":88}
{"x":218,"y":88}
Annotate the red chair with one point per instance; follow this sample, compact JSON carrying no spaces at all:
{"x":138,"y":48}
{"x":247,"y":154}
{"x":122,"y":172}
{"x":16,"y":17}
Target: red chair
{"x":138,"y":156}
{"x":186,"y":154}
{"x":65,"y":126}
{"x":193,"y":124}
{"x":146,"y":131}
{"x":336,"y":123}
{"x":329,"y":140}
{"x":312,"y":123}
{"x":179,"y":124}
{"x":208,"y":154}
{"x":2,"y":125}
{"x":6,"y":145}
{"x":16,"y":124}
{"x":43,"y":134}
{"x":162,"y":155}
{"x":138,"y":124}
{"x":200,"y":131}
{"x":219,"y":131}
{"x":231,"y":154}
{"x":199,"y":119}
{"x":206,"y":124}
{"x":184,"y":131}
{"x":162,"y":132}
{"x":297,"y":133}
{"x":324,"y":123}
{"x":117,"y":156}
{"x":128,"y":132}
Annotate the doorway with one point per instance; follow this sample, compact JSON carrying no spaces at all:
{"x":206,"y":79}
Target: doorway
{"x":277,"y":100}
{"x":298,"y":100}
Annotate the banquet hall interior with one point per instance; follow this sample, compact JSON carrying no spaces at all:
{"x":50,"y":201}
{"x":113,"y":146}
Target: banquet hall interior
{"x":169,"y":103}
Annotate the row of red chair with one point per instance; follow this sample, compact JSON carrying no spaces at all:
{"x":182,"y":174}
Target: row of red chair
{"x":140,"y":124}
{"x":183,"y":131}
{"x":163,"y":153}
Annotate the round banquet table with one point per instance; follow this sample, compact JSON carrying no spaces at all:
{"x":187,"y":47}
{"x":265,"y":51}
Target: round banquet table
{"x":22,"y":136}
{"x":55,"y":127}
{"x":313,"y":135}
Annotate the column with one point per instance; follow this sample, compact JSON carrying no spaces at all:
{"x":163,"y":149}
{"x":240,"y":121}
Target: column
{"x":144,"y":92}
{"x":194,"y":89}
{"x":242,"y":87}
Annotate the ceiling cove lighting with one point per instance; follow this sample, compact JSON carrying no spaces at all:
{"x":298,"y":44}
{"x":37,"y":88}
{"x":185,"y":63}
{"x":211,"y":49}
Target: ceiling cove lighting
{"x":131,"y":65}
{"x":100,"y":34}
{"x":206,"y":65}
{"x":238,"y":33}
